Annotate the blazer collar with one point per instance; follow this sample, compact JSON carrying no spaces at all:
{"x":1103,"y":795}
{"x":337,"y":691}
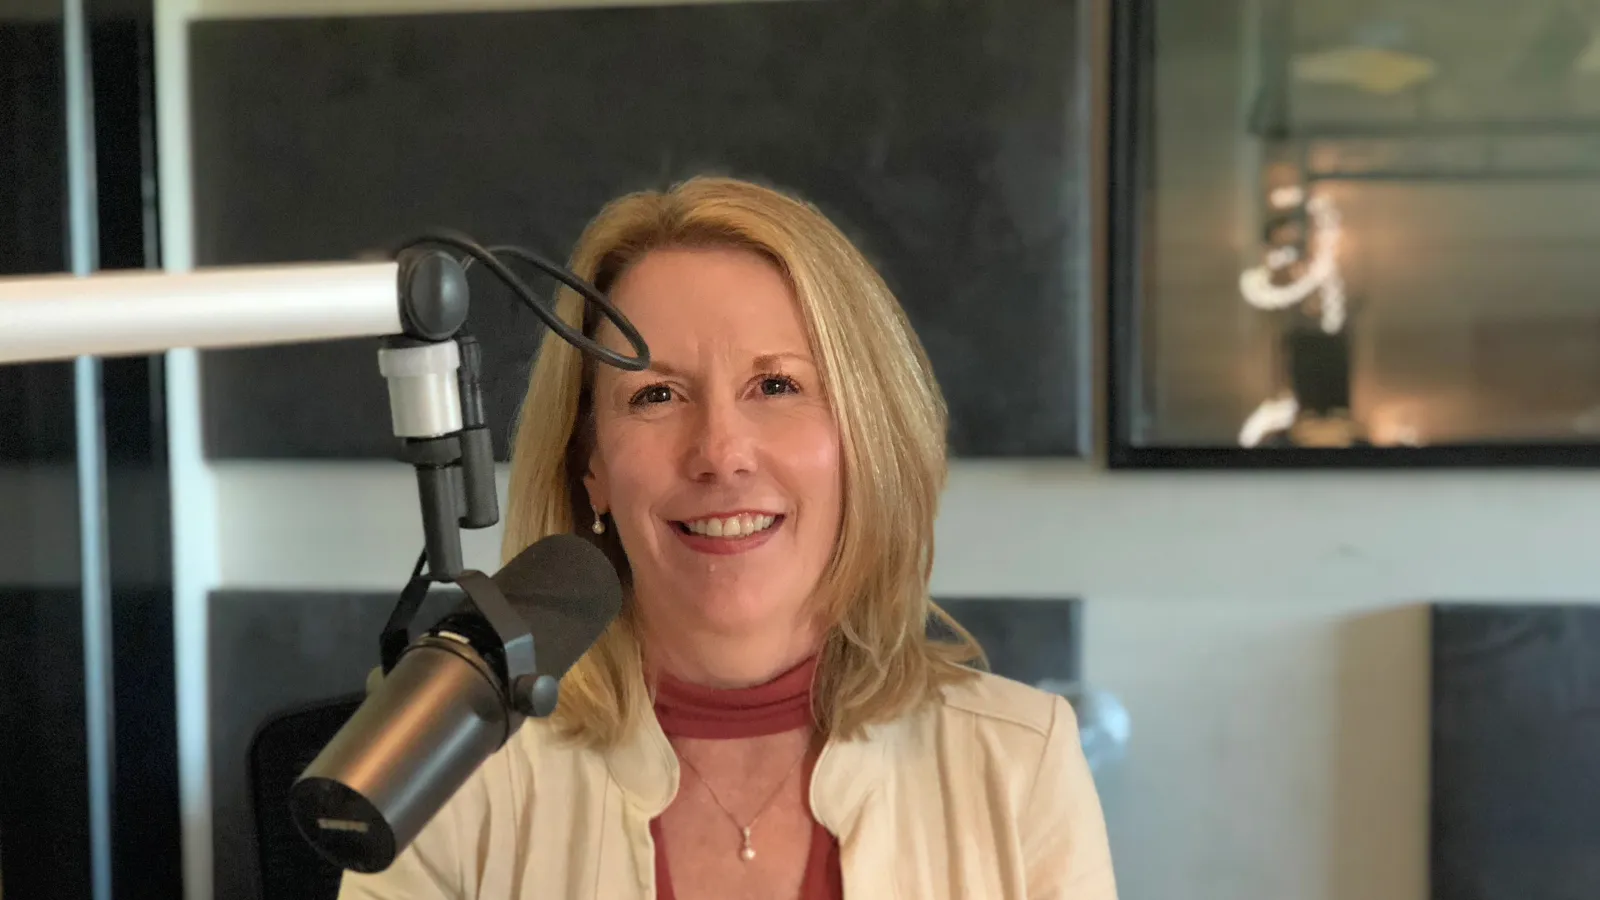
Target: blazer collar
{"x":645,"y":767}
{"x":850,"y":778}
{"x":846,"y":774}
{"x":644,"y":764}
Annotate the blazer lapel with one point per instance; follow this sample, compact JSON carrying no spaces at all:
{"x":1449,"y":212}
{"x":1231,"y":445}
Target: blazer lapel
{"x":644,"y":780}
{"x":848,"y":790}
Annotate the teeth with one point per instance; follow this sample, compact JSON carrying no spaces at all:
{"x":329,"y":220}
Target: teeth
{"x":732,"y":526}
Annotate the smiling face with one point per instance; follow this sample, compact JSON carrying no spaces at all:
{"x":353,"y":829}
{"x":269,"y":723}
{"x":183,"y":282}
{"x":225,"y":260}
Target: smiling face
{"x":720,"y":465}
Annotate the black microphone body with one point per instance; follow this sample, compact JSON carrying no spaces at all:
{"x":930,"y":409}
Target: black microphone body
{"x":452,"y":699}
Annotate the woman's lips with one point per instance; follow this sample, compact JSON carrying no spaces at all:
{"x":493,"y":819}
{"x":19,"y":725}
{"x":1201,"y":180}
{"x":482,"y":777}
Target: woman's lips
{"x":724,"y":545}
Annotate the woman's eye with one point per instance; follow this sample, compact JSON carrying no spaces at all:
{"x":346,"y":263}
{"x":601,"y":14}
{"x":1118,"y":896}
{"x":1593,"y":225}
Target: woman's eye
{"x":655,"y":393}
{"x":772,"y":385}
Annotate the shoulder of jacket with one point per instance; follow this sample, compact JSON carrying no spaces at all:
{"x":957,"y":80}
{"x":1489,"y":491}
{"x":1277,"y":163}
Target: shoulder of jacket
{"x":1003,"y":702}
{"x":538,"y":741}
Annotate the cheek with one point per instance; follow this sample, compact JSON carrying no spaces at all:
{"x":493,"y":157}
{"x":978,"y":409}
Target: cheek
{"x":633,"y":466}
{"x":811,"y":453}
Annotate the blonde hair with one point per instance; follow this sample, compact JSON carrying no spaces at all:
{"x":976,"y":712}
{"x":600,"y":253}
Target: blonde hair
{"x":878,"y":660}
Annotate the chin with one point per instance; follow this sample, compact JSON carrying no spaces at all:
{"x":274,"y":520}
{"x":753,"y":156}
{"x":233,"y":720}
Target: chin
{"x":732,"y":612}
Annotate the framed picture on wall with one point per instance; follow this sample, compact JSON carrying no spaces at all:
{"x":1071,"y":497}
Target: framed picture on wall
{"x":1353,"y":234}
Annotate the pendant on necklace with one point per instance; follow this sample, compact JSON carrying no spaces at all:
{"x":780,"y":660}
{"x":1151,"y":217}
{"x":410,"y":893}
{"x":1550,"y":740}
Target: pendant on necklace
{"x":747,"y":852}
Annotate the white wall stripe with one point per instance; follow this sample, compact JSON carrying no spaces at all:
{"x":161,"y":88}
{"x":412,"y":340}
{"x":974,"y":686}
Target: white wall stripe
{"x":1040,"y":528}
{"x":194,"y":535}
{"x":327,"y":526}
{"x":94,"y":531}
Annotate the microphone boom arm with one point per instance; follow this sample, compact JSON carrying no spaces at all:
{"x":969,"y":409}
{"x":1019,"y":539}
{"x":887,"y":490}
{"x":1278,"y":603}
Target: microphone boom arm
{"x":353,"y":813}
{"x":417,"y":303}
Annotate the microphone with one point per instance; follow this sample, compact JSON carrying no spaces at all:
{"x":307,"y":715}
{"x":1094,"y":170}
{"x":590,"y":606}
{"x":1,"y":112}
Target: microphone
{"x":452,"y":698}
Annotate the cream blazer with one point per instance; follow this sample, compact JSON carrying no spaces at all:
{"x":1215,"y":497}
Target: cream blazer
{"x":983,"y":794}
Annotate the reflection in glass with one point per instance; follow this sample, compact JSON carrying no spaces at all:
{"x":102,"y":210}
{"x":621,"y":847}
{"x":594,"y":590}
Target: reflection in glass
{"x":53,"y":842}
{"x":44,"y":848}
{"x":1370,"y":223}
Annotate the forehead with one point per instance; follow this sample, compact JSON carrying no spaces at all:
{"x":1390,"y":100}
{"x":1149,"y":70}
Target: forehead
{"x":682,"y":300}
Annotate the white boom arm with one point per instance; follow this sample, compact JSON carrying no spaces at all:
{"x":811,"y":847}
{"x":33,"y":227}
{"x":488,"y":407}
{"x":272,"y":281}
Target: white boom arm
{"x":417,"y":304}
{"x":144,"y":312}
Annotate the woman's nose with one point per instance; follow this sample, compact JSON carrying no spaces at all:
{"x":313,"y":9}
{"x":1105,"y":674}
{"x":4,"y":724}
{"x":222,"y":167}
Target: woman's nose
{"x":722,"y":445}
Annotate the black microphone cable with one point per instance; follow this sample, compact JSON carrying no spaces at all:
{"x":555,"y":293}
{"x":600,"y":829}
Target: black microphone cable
{"x":489,"y":257}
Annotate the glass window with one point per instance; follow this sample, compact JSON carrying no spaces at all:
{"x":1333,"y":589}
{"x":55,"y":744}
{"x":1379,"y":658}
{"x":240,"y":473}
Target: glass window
{"x":1363,"y":225}
{"x":86,"y":686}
{"x":44,"y":849}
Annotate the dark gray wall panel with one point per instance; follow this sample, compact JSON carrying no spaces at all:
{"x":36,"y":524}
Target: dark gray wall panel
{"x":1516,"y":737}
{"x":273,"y":652}
{"x":946,"y":137}
{"x":33,"y":184}
{"x":43,"y":782}
{"x":1029,"y":640}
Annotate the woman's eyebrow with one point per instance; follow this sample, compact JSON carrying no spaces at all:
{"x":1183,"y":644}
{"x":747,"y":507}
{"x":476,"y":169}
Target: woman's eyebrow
{"x":771,"y":360}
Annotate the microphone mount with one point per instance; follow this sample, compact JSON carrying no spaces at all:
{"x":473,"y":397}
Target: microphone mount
{"x":418,"y":304}
{"x":434,"y":374}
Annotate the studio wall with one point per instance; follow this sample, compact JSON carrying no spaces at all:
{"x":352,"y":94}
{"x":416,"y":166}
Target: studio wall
{"x":954,"y":162}
{"x":1269,"y":633}
{"x":1514,"y":804}
{"x":946,"y":139}
{"x":275,"y":654}
{"x":88,"y":794}
{"x":42,"y":709}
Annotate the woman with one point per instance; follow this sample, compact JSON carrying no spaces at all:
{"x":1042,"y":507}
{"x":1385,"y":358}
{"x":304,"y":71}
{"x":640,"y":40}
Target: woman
{"x":768,"y":718}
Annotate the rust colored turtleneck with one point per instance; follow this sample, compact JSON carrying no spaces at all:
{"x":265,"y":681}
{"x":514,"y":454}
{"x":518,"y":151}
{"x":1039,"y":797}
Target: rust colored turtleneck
{"x":782,"y":704}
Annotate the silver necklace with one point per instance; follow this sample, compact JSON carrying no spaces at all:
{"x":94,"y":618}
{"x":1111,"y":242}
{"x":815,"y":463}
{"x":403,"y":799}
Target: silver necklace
{"x":746,"y":851}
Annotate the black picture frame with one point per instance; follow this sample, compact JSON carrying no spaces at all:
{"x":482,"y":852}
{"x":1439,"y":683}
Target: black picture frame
{"x":1128,"y":140}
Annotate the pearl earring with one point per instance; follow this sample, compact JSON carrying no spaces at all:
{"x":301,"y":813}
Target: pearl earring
{"x":599,"y":526}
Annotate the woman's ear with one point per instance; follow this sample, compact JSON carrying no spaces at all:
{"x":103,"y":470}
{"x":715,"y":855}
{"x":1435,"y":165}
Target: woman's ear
{"x":594,"y":484}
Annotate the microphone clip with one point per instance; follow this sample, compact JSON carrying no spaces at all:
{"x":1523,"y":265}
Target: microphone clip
{"x":528,"y":691}
{"x":434,"y":371}
{"x":513,"y":657}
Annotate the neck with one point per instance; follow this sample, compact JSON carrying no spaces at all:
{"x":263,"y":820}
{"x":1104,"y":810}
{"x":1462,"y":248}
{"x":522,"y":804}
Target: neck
{"x":728,"y":661}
